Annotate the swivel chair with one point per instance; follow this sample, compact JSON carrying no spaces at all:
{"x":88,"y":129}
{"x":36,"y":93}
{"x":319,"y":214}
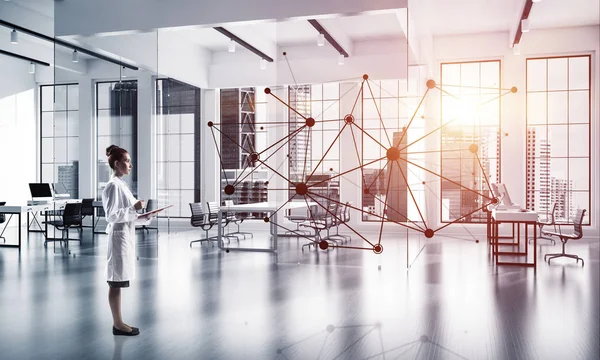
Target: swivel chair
{"x":199,"y":219}
{"x":576,"y":235}
{"x":549,"y":221}
{"x":71,"y":218}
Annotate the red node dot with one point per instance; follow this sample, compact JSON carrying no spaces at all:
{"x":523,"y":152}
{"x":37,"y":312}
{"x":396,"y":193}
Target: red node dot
{"x":423,"y":182}
{"x":349,"y":119}
{"x":514,"y":89}
{"x":284,"y":53}
{"x":330,"y":328}
{"x":422,"y":116}
{"x":301,"y":189}
{"x":227,"y":250}
{"x":393,"y":154}
{"x":430,"y":84}
{"x":267,"y":90}
{"x":473,"y":148}
{"x":229,"y":189}
{"x":378,"y":249}
{"x":477,"y":241}
{"x":365,"y":76}
{"x":323,"y":244}
{"x":262,"y":127}
{"x":266,"y":183}
{"x":210,"y":124}
{"x":495,"y":200}
{"x":266,"y":219}
{"x":254,"y":156}
{"x":505,"y":134}
{"x":330,"y":169}
{"x":366,"y":190}
{"x":429,"y":233}
{"x":310,"y":122}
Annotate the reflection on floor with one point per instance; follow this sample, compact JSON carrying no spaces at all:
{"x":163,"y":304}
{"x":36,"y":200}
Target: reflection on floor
{"x":340,"y":304}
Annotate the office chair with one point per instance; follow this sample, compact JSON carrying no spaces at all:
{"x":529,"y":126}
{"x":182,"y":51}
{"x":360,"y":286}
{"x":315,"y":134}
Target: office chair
{"x":199,"y":219}
{"x":213,"y":216}
{"x":237,"y":219}
{"x":87,"y":209}
{"x":71,"y":218}
{"x":576,"y":235}
{"x":549,"y":221}
{"x":152,"y":204}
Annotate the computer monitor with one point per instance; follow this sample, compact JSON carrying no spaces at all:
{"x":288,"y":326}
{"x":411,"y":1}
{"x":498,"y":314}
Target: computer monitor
{"x":501,"y":193}
{"x":40,"y":191}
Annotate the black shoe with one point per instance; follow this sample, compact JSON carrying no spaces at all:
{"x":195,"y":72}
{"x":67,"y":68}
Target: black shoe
{"x":134,"y":331}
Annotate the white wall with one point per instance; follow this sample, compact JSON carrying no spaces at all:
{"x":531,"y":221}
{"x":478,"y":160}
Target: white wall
{"x":18,"y":132}
{"x":554,"y":42}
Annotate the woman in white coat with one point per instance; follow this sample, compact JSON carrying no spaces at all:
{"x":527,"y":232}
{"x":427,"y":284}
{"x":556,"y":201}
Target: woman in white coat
{"x":120,"y":207}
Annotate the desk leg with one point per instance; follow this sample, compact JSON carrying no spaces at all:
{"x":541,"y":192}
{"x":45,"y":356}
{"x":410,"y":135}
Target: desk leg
{"x":496,"y":240}
{"x":274,"y":221}
{"x":19,"y":225}
{"x":526,"y":244}
{"x":219,"y":230}
{"x":534,"y":247}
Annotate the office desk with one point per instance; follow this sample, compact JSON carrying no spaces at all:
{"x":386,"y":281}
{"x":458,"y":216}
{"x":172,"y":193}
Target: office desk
{"x":18,"y":210}
{"x":96,"y":204}
{"x":270,"y":208}
{"x":518,"y":218}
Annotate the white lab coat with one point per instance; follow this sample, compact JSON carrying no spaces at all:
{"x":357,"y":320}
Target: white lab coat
{"x":118,"y":203}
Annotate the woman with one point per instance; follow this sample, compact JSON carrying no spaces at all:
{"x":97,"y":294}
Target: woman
{"x":120,"y":207}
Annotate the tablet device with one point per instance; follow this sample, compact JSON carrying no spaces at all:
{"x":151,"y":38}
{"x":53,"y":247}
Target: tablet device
{"x":155,"y":211}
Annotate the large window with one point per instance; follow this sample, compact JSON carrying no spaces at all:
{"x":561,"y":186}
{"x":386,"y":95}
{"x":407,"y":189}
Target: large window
{"x":178,"y":146}
{"x":470,"y":106}
{"x":243,"y":131}
{"x":59,"y":130}
{"x":388,"y":106}
{"x":116,"y":113}
{"x":307,"y":149}
{"x":558,"y":135}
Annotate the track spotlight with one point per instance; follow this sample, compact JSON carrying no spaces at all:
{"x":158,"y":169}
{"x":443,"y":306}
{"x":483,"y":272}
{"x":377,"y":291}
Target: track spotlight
{"x":517,"y":49}
{"x":525,"y":25}
{"x":263,"y":64}
{"x":14,"y":37}
{"x":321,"y":40}
{"x":341,"y":59}
{"x":231,"y":45}
{"x":31,"y":68}
{"x":75,"y":56}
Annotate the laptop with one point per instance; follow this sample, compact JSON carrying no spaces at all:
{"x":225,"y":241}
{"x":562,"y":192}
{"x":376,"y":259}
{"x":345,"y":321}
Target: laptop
{"x":501,"y":193}
{"x":60,"y":191}
{"x":41,"y":193}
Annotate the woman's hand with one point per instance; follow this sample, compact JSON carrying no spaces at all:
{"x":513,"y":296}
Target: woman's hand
{"x":139,"y":205}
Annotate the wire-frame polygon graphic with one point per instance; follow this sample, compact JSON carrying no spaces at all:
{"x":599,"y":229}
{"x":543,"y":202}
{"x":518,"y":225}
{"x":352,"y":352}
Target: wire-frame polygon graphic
{"x":396,"y":158}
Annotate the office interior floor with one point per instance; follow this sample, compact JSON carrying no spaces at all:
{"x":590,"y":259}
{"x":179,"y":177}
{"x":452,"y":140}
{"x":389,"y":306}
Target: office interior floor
{"x":203,"y":303}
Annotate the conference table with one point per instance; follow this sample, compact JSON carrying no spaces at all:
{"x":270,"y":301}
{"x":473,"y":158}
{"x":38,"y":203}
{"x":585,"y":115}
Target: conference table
{"x":272,"y":209}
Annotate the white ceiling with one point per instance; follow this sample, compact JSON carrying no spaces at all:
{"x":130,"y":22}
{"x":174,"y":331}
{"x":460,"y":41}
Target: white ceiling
{"x":443,"y":17}
{"x":299,"y":32}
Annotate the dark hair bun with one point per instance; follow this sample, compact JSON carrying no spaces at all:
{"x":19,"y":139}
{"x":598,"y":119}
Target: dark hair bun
{"x":111,"y":149}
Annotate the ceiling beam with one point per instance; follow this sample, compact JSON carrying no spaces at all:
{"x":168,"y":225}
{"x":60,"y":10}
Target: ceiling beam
{"x":328,"y":37}
{"x":8,"y":53}
{"x":238,"y":40}
{"x":65,"y":44}
{"x":524,"y":15}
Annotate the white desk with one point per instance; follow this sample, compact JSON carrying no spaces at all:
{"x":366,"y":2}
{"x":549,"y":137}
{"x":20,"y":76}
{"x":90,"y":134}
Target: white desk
{"x":18,"y":210}
{"x":518,"y":218}
{"x":270,"y":208}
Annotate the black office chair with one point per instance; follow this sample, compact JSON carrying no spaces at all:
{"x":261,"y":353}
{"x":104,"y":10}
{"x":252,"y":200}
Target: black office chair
{"x":199,"y":219}
{"x":87,"y":209}
{"x":237,"y":219}
{"x":152,"y":204}
{"x":71,"y":218}
{"x":213,"y":216}
{"x":575,"y":235}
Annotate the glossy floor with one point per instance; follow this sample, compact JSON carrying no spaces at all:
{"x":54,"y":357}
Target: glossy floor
{"x":202,"y":303}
